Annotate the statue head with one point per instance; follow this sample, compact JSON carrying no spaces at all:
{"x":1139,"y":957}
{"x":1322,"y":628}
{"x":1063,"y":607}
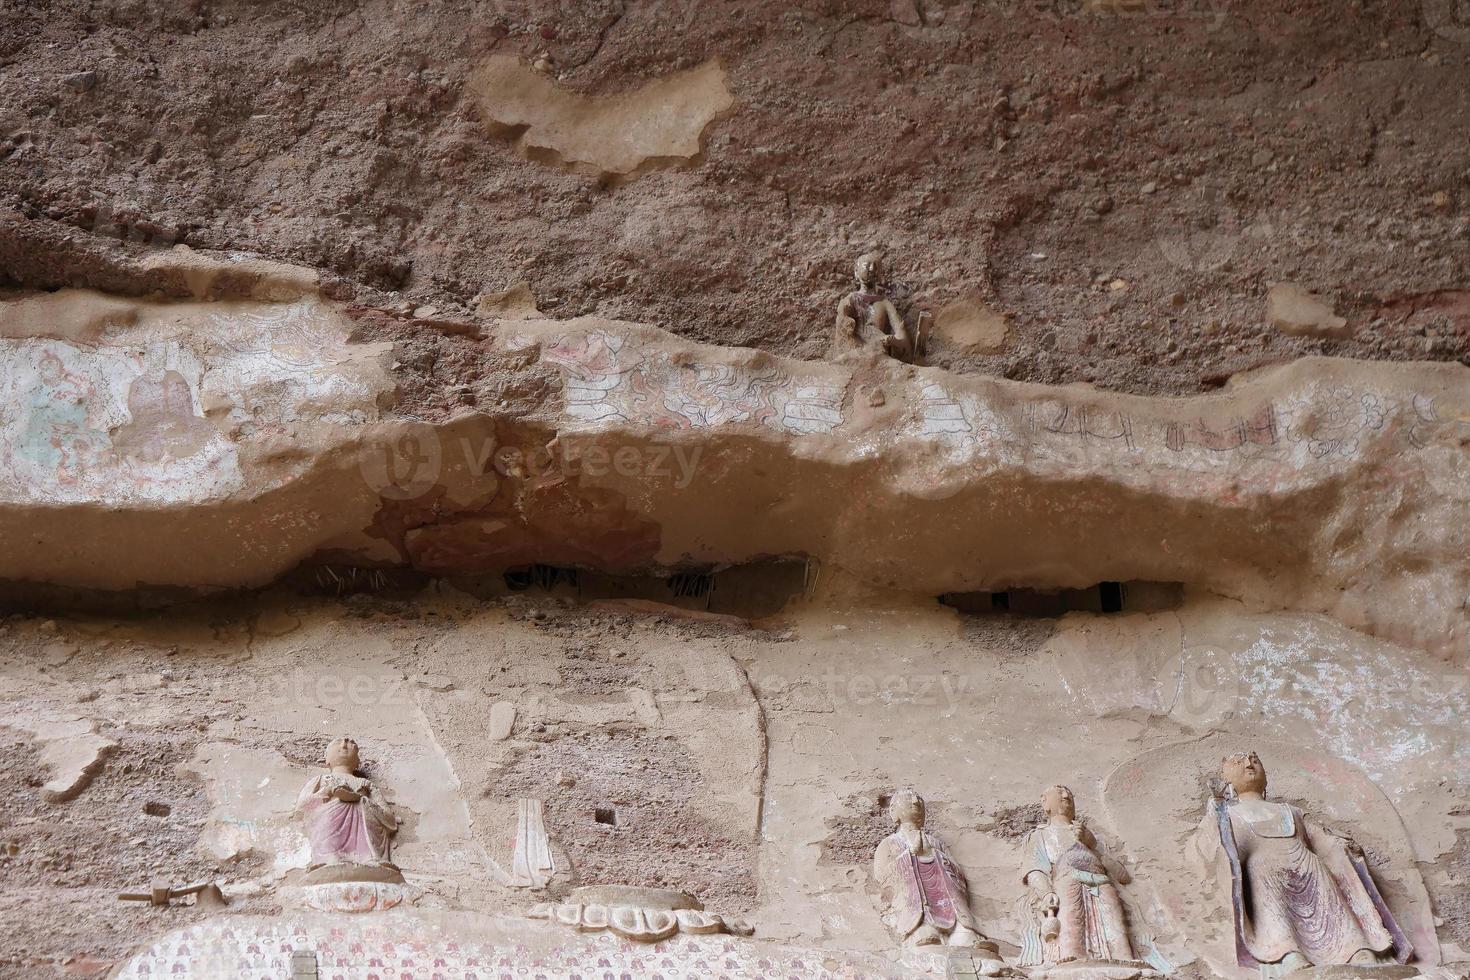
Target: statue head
{"x":1244,"y":771}
{"x":1057,"y":801}
{"x":343,"y":752}
{"x":868,"y":268}
{"x":906,"y":806}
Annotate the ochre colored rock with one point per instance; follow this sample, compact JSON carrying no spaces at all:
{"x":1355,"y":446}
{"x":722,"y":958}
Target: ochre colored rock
{"x":515,"y":303}
{"x":619,"y":135}
{"x":1292,"y":309}
{"x":970,"y":326}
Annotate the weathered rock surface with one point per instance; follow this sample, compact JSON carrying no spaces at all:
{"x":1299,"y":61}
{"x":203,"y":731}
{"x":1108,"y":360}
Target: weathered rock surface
{"x":620,"y":135}
{"x":969,"y":326}
{"x":1294,"y":310}
{"x":515,"y":303}
{"x":71,"y":751}
{"x":218,"y":445}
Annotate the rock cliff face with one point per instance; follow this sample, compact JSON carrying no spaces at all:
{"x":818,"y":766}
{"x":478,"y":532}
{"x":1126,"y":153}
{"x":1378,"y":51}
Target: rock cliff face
{"x":457,"y":377}
{"x":210,"y":445}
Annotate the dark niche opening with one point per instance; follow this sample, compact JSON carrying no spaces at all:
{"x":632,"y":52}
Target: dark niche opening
{"x":543,"y":577}
{"x":751,"y":591}
{"x":1105,"y":597}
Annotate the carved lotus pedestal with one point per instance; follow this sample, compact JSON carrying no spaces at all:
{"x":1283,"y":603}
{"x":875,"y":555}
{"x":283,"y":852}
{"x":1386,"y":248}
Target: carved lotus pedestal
{"x":645,"y":915}
{"x":351,"y":888}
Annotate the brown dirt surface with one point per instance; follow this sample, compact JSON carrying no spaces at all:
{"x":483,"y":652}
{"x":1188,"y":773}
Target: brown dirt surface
{"x":1009,"y":636}
{"x":857,"y":831}
{"x":138,"y":821}
{"x":1123,"y":185}
{"x":657,"y":838}
{"x":1014,"y":822}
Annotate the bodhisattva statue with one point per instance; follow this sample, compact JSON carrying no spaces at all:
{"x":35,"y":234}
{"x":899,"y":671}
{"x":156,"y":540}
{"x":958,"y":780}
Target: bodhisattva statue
{"x":925,"y":899}
{"x":866,"y":317}
{"x":1073,"y":910}
{"x":349,"y":826}
{"x":1299,"y":895}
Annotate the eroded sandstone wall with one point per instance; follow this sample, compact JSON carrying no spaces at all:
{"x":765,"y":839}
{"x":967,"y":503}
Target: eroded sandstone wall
{"x":216,"y":445}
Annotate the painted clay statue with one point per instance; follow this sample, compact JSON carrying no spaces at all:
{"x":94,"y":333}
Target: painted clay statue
{"x":866,"y":317}
{"x":1300,"y":896}
{"x":348,"y":824}
{"x":1073,"y":910}
{"x":926,"y":901}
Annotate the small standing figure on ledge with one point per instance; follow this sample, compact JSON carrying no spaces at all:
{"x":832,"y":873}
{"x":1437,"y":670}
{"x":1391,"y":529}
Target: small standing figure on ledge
{"x":867,"y":318}
{"x":925,"y":897}
{"x":1300,"y":896}
{"x":1073,"y":909}
{"x":350,"y":828}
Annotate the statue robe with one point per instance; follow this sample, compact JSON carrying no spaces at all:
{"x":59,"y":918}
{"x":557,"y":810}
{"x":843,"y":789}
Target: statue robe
{"x":919,"y":891}
{"x":1089,"y":912}
{"x":1295,"y":888}
{"x":345,"y":833}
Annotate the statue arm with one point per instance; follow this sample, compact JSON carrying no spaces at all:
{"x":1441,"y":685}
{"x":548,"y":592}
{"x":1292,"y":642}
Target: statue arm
{"x":1114,"y":867}
{"x":1207,"y":840}
{"x":1036,"y":876}
{"x":1321,"y":837}
{"x":380,"y":812}
{"x":308,"y":794}
{"x":883,"y":864}
{"x":899,"y":341}
{"x":893,"y":898}
{"x":845,"y":335}
{"x":895,"y":322}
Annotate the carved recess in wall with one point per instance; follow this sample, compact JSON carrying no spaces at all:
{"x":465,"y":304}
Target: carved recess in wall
{"x":1161,"y":795}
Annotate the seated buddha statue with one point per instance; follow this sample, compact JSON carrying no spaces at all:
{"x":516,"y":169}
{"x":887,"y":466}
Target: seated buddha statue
{"x":348,"y":824}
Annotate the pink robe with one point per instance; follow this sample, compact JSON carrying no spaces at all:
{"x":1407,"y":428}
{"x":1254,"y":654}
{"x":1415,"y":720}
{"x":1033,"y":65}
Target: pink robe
{"x":930,"y":890}
{"x":345,"y":833}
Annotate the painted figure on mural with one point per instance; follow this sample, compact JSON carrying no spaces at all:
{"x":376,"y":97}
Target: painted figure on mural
{"x":348,"y":824}
{"x":1300,"y":896}
{"x":58,"y":434}
{"x":163,"y":425}
{"x":1072,"y":910}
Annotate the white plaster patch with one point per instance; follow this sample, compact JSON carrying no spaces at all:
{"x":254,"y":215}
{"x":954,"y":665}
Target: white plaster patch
{"x":153,"y":411}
